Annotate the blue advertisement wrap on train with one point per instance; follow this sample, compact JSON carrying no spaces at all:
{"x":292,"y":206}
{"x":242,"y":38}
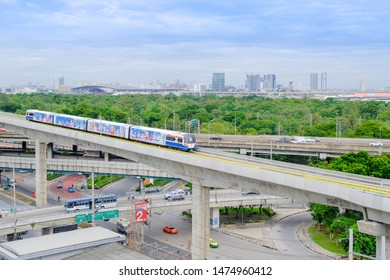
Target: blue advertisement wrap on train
{"x":71,"y":121}
{"x":109,"y":128}
{"x":148,"y":135}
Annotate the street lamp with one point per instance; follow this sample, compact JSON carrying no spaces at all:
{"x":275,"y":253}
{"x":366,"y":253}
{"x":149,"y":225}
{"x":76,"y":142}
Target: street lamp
{"x":235,"y":121}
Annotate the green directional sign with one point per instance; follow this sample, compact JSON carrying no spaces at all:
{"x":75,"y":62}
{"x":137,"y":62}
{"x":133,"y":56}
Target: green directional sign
{"x":81,"y":218}
{"x":103,"y":215}
{"x":194,"y":122}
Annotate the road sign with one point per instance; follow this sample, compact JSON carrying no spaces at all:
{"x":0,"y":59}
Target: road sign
{"x":103,"y":215}
{"x":141,"y":215}
{"x":81,"y":218}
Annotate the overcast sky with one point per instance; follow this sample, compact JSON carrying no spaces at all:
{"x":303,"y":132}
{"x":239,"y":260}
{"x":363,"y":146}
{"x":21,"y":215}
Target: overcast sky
{"x":135,"y":41}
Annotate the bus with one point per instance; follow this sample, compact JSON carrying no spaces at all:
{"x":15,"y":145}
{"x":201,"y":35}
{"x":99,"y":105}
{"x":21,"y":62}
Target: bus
{"x":85,"y":203}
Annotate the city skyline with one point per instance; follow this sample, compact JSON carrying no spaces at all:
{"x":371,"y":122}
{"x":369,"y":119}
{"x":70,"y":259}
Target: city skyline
{"x":130,"y":42}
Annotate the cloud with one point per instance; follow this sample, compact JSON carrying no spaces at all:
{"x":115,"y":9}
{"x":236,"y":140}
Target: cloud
{"x":138,"y":41}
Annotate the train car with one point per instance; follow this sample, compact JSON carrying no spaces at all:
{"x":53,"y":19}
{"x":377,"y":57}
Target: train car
{"x":109,"y":128}
{"x":172,"y":139}
{"x":39,"y":116}
{"x":167,"y":138}
{"x":69,"y":121}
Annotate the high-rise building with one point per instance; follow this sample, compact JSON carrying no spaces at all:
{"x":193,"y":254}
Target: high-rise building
{"x":363,"y":85}
{"x":313,"y":81}
{"x":252,"y":82}
{"x":324,"y":81}
{"x":270,"y":81}
{"x":61,"y":81}
{"x":218,"y":82}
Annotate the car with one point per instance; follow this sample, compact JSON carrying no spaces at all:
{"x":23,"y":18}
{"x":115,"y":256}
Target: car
{"x":59,"y":185}
{"x":170,"y":229}
{"x":169,"y":194}
{"x":176,"y":196}
{"x":284,"y":139}
{"x":213,"y":243}
{"x":152,"y":190}
{"x":122,"y":226}
{"x":250,"y":193}
{"x":376,"y":144}
{"x":71,"y":189}
{"x":216,"y":137}
{"x":315,"y":139}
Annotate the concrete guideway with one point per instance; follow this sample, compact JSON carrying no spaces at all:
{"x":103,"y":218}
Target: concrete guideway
{"x":206,"y":171}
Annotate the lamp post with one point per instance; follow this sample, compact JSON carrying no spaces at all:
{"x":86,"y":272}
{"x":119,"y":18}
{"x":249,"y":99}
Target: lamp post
{"x":93,"y":198}
{"x":14,"y":197}
{"x":235,"y":121}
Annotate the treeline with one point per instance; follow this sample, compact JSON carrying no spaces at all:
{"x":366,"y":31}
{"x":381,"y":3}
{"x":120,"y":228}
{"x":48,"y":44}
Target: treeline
{"x":223,"y":115}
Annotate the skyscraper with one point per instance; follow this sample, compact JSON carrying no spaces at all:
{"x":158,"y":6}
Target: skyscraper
{"x":324,"y":80}
{"x":313,"y":81}
{"x":61,"y":81}
{"x":218,"y":82}
{"x":270,"y":81}
{"x":252,"y":82}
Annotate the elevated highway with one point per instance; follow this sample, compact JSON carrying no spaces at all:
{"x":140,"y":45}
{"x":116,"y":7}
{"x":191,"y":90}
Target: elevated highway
{"x":50,"y":217}
{"x":325,"y":148}
{"x":206,"y":170}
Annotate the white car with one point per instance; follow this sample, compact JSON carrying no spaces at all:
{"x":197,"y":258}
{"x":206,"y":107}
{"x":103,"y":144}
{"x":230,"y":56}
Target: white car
{"x":375,"y":144}
{"x":179,"y":191}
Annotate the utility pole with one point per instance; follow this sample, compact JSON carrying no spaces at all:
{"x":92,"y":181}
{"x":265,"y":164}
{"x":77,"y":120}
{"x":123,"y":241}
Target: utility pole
{"x":93,"y":198}
{"x":14,"y":194}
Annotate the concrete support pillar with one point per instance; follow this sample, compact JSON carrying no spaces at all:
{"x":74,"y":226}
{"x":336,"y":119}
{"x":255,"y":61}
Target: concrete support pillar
{"x":49,"y":150}
{"x":214,"y":218}
{"x":85,"y":183}
{"x":40,"y":174}
{"x":47,"y":231}
{"x":200,"y":221}
{"x":382,"y":233}
{"x":106,"y":157}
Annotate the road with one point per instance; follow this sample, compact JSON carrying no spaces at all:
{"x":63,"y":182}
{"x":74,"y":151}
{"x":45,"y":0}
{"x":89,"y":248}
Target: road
{"x":230,"y":247}
{"x":284,"y":234}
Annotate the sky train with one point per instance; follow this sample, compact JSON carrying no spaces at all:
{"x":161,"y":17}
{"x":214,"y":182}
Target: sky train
{"x":167,"y":138}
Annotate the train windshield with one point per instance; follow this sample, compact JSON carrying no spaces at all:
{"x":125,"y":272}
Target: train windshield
{"x":189,"y":138}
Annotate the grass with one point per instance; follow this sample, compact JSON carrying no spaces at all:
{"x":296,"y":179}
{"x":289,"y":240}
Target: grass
{"x":322,"y":239}
{"x":232,"y":217}
{"x":101,"y":181}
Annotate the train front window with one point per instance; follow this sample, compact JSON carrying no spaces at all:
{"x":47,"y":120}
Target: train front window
{"x":189,"y":138}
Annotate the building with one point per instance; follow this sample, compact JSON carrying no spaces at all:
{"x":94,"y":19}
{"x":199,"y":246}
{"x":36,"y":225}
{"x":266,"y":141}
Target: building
{"x":199,"y":87}
{"x":218,"y":82}
{"x":324,"y":81}
{"x":269,"y":82}
{"x":61,"y":81}
{"x":363,"y":85}
{"x":314,"y":81}
{"x":253,"y":82}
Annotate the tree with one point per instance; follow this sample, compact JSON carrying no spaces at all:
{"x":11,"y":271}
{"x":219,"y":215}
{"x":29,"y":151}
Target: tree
{"x":323,"y":214}
{"x":340,"y":225}
{"x":362,"y":243}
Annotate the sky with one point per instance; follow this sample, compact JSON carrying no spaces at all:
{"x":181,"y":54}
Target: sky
{"x":133,"y":42}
